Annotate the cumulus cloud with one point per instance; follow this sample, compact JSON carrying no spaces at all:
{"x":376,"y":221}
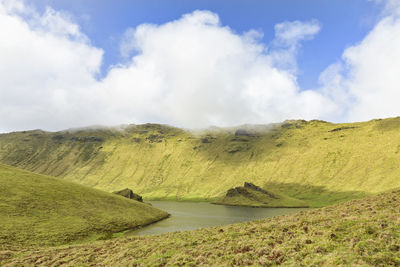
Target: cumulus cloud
{"x":291,"y":32}
{"x":365,"y":84}
{"x":194,"y":72}
{"x":288,"y":37}
{"x":46,"y":69}
{"x":191,"y":72}
{"x":390,"y":7}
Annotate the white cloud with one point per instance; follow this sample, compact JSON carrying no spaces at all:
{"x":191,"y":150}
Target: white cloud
{"x":45,"y":70}
{"x":288,"y":36}
{"x":390,"y":7}
{"x":365,"y":84}
{"x":191,"y":72}
{"x":291,"y":32}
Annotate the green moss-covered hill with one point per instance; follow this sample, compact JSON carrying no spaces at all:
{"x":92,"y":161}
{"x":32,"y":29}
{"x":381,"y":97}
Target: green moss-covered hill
{"x":315,"y":161}
{"x":251,"y":195}
{"x":41,"y":210}
{"x":357,"y":233}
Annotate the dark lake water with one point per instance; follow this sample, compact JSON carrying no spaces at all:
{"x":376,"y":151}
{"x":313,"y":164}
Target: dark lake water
{"x":193,"y":215}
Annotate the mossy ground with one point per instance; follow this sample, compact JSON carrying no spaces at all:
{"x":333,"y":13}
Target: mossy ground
{"x":38,"y":210}
{"x":357,"y":233}
{"x":317,"y":162}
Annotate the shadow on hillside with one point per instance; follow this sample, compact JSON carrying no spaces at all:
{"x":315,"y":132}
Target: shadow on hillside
{"x":231,"y":147}
{"x":315,"y":196}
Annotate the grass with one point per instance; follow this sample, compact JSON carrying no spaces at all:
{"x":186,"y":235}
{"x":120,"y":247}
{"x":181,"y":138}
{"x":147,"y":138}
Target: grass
{"x":330,"y":162}
{"x":313,"y":163}
{"x":37,"y":210}
{"x":314,"y":196}
{"x":250,"y":197}
{"x":362,"y":232}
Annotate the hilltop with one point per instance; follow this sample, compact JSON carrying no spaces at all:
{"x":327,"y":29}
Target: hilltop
{"x":360,"y":232}
{"x":315,"y":162}
{"x":38,"y":210}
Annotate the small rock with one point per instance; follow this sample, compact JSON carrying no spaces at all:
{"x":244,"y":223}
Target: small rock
{"x":128,"y":193}
{"x":241,"y":132}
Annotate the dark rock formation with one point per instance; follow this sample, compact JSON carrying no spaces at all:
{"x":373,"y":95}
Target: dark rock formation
{"x":236,"y":191}
{"x":93,"y":139}
{"x":86,"y":139}
{"x":154,"y":138}
{"x":257,"y":188}
{"x":128,"y":193}
{"x":233,"y":151}
{"x":236,"y":139}
{"x":244,"y":191}
{"x":205,"y":140}
{"x":341,"y":128}
{"x":241,"y":132}
{"x":58,"y":137}
{"x":286,"y":125}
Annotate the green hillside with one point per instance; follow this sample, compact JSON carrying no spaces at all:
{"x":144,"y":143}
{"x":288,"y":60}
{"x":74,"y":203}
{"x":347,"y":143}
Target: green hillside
{"x":251,"y":195}
{"x":41,"y":210}
{"x":316,"y":162}
{"x":357,"y":233}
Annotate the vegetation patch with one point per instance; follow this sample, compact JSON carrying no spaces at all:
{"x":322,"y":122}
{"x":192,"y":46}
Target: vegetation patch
{"x":163,"y":162}
{"x":39,"y":210}
{"x":357,"y":233}
{"x":254,"y":196}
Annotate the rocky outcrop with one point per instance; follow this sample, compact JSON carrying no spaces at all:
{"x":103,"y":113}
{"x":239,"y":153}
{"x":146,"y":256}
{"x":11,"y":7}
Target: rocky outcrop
{"x":237,"y":191}
{"x":155,"y":138}
{"x":259,"y":189}
{"x":246,"y":191}
{"x":128,"y":193}
{"x":251,"y":195}
{"x":241,"y":132}
{"x":341,"y":128}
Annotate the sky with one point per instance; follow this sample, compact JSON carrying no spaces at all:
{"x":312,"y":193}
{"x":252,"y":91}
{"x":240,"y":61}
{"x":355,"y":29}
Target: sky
{"x":195,"y":64}
{"x":357,"y":17}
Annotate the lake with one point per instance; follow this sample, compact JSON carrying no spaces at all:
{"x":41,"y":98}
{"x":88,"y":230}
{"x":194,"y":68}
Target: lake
{"x":193,"y":215}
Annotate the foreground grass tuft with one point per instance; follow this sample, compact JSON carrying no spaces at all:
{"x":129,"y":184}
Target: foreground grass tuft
{"x":360,"y":232}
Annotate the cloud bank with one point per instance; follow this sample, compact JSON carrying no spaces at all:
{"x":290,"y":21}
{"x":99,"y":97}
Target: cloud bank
{"x":365,"y":84}
{"x":192,"y":72}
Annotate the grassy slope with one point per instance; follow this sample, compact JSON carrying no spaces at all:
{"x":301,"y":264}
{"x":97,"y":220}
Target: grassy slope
{"x":304,"y":160}
{"x":260,"y":200}
{"x":357,"y":233}
{"x":253,"y":198}
{"x":41,"y":210}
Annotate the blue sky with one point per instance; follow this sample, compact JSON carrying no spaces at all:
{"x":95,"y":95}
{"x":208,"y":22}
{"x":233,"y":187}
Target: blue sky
{"x":344,"y":23}
{"x":195,"y":64}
